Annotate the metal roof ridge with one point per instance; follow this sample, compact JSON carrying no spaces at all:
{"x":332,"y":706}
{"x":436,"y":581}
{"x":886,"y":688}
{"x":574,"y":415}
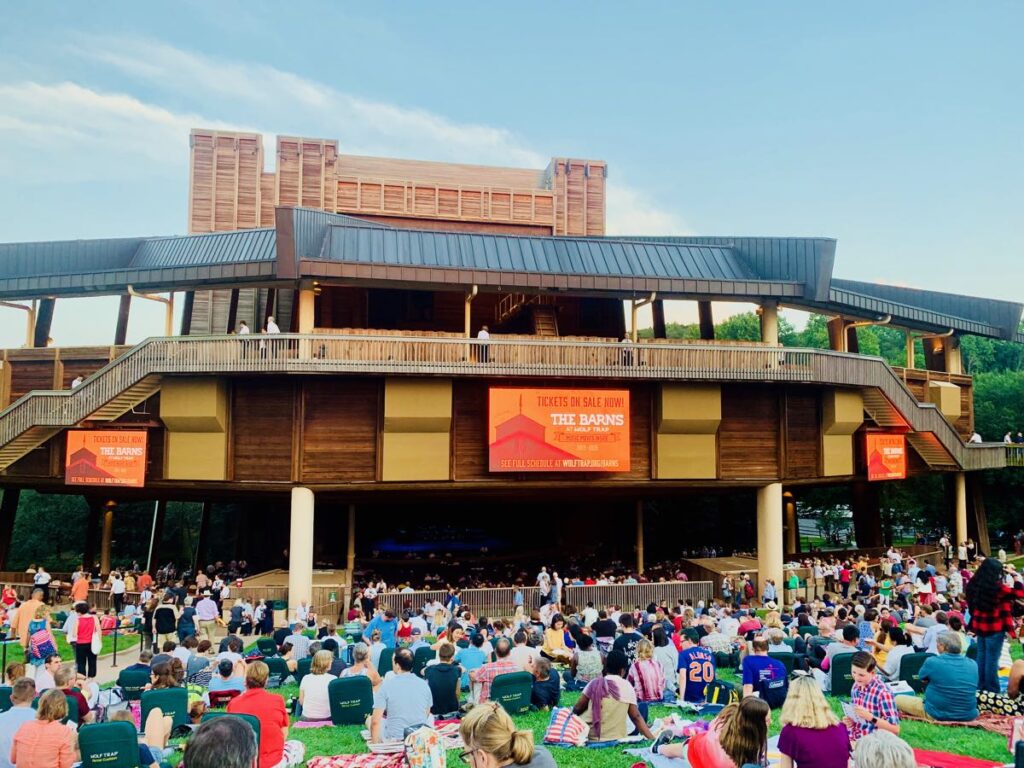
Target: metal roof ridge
{"x":919,"y":290}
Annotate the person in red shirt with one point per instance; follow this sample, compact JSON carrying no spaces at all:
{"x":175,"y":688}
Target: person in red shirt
{"x":990,"y":597}
{"x":144,"y":581}
{"x":269,"y":709}
{"x":10,"y":596}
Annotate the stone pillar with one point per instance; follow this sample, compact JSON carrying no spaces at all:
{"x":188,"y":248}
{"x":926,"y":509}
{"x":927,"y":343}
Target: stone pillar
{"x":639,"y":538}
{"x":307,"y":310}
{"x":770,"y":321}
{"x":300,"y":548}
{"x":108,"y":535}
{"x":769,"y":539}
{"x":960,"y":506}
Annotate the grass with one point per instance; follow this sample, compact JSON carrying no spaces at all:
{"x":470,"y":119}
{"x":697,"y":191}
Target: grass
{"x":15,"y":653}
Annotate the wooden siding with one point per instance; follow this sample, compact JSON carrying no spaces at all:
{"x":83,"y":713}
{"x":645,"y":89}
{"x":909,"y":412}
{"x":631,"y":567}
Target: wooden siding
{"x":27,"y":375}
{"x":917,"y":381}
{"x":748,"y":436}
{"x":262,"y":429}
{"x":339,"y":430}
{"x":803,"y":433}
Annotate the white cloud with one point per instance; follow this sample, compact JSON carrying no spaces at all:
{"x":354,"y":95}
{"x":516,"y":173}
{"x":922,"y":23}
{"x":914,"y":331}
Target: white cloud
{"x":632,"y":212}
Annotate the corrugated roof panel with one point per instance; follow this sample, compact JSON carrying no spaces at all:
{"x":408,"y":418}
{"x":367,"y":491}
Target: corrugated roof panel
{"x":65,"y":256}
{"x":216,"y":248}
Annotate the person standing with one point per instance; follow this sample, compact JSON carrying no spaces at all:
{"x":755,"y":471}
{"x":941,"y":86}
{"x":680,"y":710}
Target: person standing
{"x":206,"y":615}
{"x":117,"y":590}
{"x":272,"y":326}
{"x":26,"y":614}
{"x":483,"y":351}
{"x":23,"y":690}
{"x":86,"y":627}
{"x":990,"y":599}
{"x":42,"y":581}
{"x":544,"y":585}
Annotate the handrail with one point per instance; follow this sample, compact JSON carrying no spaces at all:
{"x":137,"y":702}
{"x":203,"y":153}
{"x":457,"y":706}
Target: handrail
{"x":495,"y":357}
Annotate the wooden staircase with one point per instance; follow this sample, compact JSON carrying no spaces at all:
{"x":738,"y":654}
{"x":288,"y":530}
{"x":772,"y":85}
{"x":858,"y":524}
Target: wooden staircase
{"x":24,"y":444}
{"x":128,"y":399}
{"x":545,"y":320}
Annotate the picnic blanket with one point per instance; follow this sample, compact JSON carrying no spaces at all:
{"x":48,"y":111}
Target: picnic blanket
{"x":311,"y":724}
{"x":363,"y":760}
{"x":774,"y":756}
{"x":989,"y":721}
{"x":932,"y":759}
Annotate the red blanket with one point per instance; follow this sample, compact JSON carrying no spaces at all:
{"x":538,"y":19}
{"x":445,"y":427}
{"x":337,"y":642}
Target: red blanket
{"x":931,"y":759}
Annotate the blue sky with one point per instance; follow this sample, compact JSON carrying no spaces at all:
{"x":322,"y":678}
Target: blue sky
{"x":895,"y":128}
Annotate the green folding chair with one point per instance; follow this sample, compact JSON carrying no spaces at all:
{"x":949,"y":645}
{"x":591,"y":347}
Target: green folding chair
{"x":384,"y":663}
{"x":109,"y":745}
{"x":420,"y":659}
{"x":790,"y":641}
{"x":302,"y":670}
{"x":5,"y":698}
{"x":812,"y":631}
{"x":512,"y":691}
{"x":842,"y":674}
{"x":786,"y":657}
{"x":252,"y":720}
{"x":279,"y":671}
{"x":173,"y":702}
{"x":132,"y":682}
{"x":910,"y":670}
{"x":72,"y":715}
{"x":266,"y":646}
{"x":351,"y":699}
{"x":972,"y":651}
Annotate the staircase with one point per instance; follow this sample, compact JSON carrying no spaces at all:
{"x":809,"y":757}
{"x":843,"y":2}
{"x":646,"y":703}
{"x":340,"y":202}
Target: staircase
{"x":511,"y":305}
{"x":545,"y":320}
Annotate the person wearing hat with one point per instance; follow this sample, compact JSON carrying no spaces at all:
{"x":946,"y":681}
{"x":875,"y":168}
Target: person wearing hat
{"x":206,"y":615}
{"x":417,"y":640}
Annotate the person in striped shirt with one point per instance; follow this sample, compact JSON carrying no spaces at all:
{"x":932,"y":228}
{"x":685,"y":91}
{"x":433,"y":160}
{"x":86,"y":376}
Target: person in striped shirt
{"x":647,"y":677}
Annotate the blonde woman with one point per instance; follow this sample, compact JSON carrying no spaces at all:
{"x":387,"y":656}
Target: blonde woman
{"x":812,"y":736}
{"x":45,"y":742}
{"x":313,"y":699}
{"x":492,"y":741}
{"x":647,"y":677}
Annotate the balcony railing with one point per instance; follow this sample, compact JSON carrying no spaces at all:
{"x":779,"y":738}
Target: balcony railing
{"x":1014,"y":455}
{"x":446,"y":356}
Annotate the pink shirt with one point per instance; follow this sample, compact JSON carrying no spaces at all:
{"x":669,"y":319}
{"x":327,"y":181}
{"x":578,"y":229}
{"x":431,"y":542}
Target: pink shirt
{"x":85,"y":629}
{"x":43,"y":744}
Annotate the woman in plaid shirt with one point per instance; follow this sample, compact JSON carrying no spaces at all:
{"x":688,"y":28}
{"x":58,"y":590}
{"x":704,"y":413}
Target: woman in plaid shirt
{"x":990,"y":600}
{"x":872,"y":700}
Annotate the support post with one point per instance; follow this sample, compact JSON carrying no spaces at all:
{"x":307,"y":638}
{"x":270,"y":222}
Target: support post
{"x":121,"y":331}
{"x":91,"y":528}
{"x":350,"y":558}
{"x":837,"y":334}
{"x":706,"y":319}
{"x":867,"y":514}
{"x":977,"y":519}
{"x":658,"y":319}
{"x":792,"y":526}
{"x":232,"y":311}
{"x":300,"y":548}
{"x":770,"y":321}
{"x":639,"y":538}
{"x":44,"y":319}
{"x":186,"y":313}
{"x":467,"y":312}
{"x":911,"y":356}
{"x":204,"y":534}
{"x":268,"y":308}
{"x":156,"y":535}
{"x":960,"y":506}
{"x":8,"y":513}
{"x":769,"y":538}
{"x":108,"y":535}
{"x":951,"y":349}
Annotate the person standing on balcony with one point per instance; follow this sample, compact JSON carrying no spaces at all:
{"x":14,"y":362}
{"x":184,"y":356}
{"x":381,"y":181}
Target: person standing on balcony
{"x":483,"y":349}
{"x":544,"y":585}
{"x":272,"y":327}
{"x":243,"y":328}
{"x":77,"y":381}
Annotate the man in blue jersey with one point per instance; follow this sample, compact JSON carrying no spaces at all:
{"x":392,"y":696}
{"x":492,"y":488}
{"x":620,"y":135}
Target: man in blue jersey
{"x":696,"y":667}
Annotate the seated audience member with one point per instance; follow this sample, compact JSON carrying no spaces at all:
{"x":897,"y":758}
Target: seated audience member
{"x":884,"y":750}
{"x":45,"y":741}
{"x":66,"y":677}
{"x":232,"y":654}
{"x":274,"y":748}
{"x":490,"y":738}
{"x":337,"y":664}
{"x":300,"y":643}
{"x":608,"y":704}
{"x":23,"y":690}
{"x":377,"y":647}
{"x":45,"y":674}
{"x":444,"y":679}
{"x":696,"y":667}
{"x":157,"y":727}
{"x":764,"y":675}
{"x":554,"y":641}
{"x":547,"y":689}
{"x":586,"y":664}
{"x":899,"y":646}
{"x":361,"y":665}
{"x":849,"y":643}
{"x":737,"y":737}
{"x":952,"y":683}
{"x":223,"y":742}
{"x":142,"y":665}
{"x":313,"y":698}
{"x":1010,"y":703}
{"x":872,"y":700}
{"x":628,"y":640}
{"x":226,"y":679}
{"x":523,"y":654}
{"x":146,"y":757}
{"x":471,"y":658}
{"x":812,"y":736}
{"x":402,"y":701}
{"x":646,"y":677}
{"x":666,"y":654}
{"x":502,"y":665}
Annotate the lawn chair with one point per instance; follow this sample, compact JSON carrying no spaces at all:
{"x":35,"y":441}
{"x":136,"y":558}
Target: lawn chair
{"x":252,"y":720}
{"x":220,"y":699}
{"x":266,"y":646}
{"x":812,"y":631}
{"x":173,"y":702}
{"x":420,"y":659}
{"x":842,"y":675}
{"x":384,"y":663}
{"x":302,"y":669}
{"x":786,"y":657}
{"x":279,"y":671}
{"x":512,"y":690}
{"x":910,"y":670}
{"x":5,"y":698}
{"x":351,"y":699}
{"x":132,"y":682}
{"x":72,"y":715}
{"x":109,"y":745}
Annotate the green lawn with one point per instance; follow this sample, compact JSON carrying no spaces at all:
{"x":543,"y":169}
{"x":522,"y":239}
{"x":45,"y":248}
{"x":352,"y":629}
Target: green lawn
{"x":124,"y":642}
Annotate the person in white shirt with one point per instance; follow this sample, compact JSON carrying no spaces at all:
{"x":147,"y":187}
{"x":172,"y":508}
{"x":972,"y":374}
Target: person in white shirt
{"x":313,"y":698}
{"x":42,"y":581}
{"x":484,"y":349}
{"x":975,"y":438}
{"x":729,"y":625}
{"x":302,"y":612}
{"x":521,"y":653}
{"x":589,"y":615}
{"x":272,"y":327}
{"x":117,"y":590}
{"x":77,"y":381}
{"x":243,"y":328}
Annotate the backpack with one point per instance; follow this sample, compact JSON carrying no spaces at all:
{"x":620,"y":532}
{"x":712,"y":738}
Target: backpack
{"x":748,"y":589}
{"x":773,"y":691}
{"x":566,"y":729}
{"x":721,"y":693}
{"x":424,"y":748}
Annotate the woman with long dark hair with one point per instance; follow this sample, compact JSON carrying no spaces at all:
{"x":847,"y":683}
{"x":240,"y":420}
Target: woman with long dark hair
{"x":990,"y":600}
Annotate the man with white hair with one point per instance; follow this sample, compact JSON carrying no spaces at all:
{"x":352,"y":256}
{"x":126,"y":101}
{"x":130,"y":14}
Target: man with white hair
{"x":882,"y":749}
{"x":952,"y":685}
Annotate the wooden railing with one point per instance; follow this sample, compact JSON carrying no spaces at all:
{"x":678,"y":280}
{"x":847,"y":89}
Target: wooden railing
{"x":1014,"y":455}
{"x":396,"y":355}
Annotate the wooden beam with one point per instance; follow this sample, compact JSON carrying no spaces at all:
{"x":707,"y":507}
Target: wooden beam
{"x":232,"y":311}
{"x":204,"y":534}
{"x":44,"y":319}
{"x":852,"y":343}
{"x":836,"y":334}
{"x":706,"y":319}
{"x":158,"y":534}
{"x":977,"y":516}
{"x":186,"y":313}
{"x":8,"y":513}
{"x":121,"y":332}
{"x":658,"y":315}
{"x":268,"y":309}
{"x":92,"y":526}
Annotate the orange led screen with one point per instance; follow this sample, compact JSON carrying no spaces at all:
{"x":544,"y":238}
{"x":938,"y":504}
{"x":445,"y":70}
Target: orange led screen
{"x":558,"y":430}
{"x":106,"y":457}
{"x":887,"y":457}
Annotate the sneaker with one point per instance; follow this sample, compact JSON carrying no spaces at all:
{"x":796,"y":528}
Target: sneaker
{"x":665,"y":737}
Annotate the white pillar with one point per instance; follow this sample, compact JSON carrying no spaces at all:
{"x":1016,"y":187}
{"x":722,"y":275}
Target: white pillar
{"x":769,"y":539}
{"x":300,"y":549}
{"x":307,"y":306}
{"x":960,"y":492}
{"x":770,"y":321}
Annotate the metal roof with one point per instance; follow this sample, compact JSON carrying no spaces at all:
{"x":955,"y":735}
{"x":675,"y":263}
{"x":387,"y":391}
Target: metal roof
{"x":243,"y":246}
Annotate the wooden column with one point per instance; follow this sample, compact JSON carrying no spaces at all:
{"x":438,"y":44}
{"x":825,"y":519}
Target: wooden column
{"x":852,"y":344}
{"x":108,"y":536}
{"x":911,"y":356}
{"x":121,"y":331}
{"x":300,"y":548}
{"x":658,"y":319}
{"x":232,"y":311}
{"x":92,"y":527}
{"x":186,"y":313}
{"x":706,"y":319}
{"x":960,"y":507}
{"x":977,"y":517}
{"x":791,"y":524}
{"x":770,"y":556}
{"x":44,"y":319}
{"x":268,"y":308}
{"x":837,"y":334}
{"x":867,"y":516}
{"x":153,"y":561}
{"x":350,"y":559}
{"x":934,"y":353}
{"x":204,"y":534}
{"x":8,"y":513}
{"x":639,"y":538}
